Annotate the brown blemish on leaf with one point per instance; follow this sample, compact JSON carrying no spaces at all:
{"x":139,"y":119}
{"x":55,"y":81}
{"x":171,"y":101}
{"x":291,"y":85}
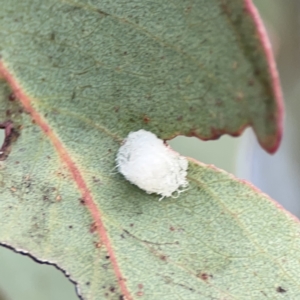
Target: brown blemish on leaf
{"x":204,"y":276}
{"x":146,"y":119}
{"x":280,"y":290}
{"x":12,"y":97}
{"x":96,"y":180}
{"x":11,"y":135}
{"x":264,"y":293}
{"x":163,"y":257}
{"x":61,"y":174}
{"x":98,"y":245}
{"x":93,"y":228}
{"x":188,"y":9}
{"x":52,"y":36}
{"x":140,"y":292}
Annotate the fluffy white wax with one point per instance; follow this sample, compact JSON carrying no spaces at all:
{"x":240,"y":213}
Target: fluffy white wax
{"x":147,"y":162}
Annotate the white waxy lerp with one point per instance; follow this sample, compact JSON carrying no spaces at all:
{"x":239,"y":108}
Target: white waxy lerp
{"x":154,"y":167}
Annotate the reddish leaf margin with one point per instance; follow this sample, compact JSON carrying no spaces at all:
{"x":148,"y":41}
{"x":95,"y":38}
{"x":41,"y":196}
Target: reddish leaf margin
{"x":267,"y":47}
{"x":26,"y":101}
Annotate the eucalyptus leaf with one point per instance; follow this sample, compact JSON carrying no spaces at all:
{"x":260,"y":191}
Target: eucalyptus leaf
{"x":82,"y":75}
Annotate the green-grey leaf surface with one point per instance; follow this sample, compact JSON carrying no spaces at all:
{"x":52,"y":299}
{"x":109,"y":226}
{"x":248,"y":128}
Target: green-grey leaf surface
{"x":85,"y":73}
{"x":124,"y":64}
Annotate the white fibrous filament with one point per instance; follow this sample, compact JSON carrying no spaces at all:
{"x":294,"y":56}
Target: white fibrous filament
{"x":154,"y":167}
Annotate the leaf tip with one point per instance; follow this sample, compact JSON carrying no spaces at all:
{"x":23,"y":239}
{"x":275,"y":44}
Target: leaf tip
{"x":272,"y":143}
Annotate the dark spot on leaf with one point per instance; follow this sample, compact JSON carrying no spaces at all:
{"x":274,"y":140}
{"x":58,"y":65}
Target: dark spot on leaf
{"x":93,"y":228}
{"x":116,"y":109}
{"x":146,"y":119}
{"x":12,"y":97}
{"x":163,"y":257}
{"x":96,"y":180}
{"x":98,"y":245}
{"x":188,"y":9}
{"x":280,"y":290}
{"x":52,"y":36}
{"x":88,"y":283}
{"x":107,"y":256}
{"x":81,"y":201}
{"x":172,"y":228}
{"x":125,"y":53}
{"x":71,"y":227}
{"x":11,"y":135}
{"x":112,"y":289}
{"x":102,"y":13}
{"x":204,"y":276}
{"x":131,"y":225}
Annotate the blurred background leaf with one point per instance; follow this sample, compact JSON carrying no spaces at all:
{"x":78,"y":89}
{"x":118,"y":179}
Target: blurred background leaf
{"x":279,"y":175}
